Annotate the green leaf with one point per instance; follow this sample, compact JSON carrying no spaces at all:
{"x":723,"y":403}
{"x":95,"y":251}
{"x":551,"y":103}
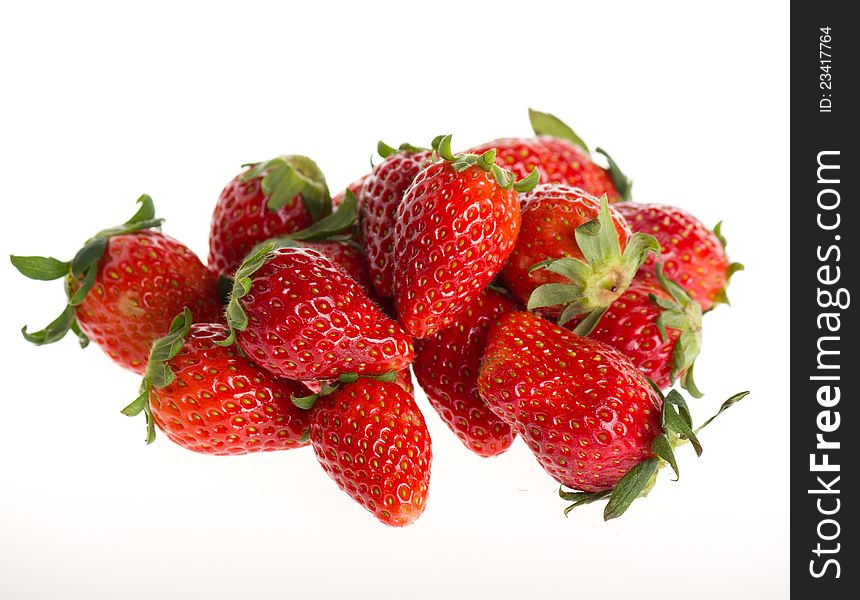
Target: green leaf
{"x":673,"y":421}
{"x":42,"y":268}
{"x":384,"y":150}
{"x":83,"y":340}
{"x":158,"y":372}
{"x":547,"y":124}
{"x":587,"y":325}
{"x":305,"y":402}
{"x":662,"y":447}
{"x":237,"y":320}
{"x":629,"y":488}
{"x":145,"y":213}
{"x":553,"y":294}
{"x":727,"y":404}
{"x":141,"y":404}
{"x":528,"y":183}
{"x":285,"y":177}
{"x":86,"y":284}
{"x":89,"y":255}
{"x":580,"y":498}
{"x":598,"y":239}
{"x":442,"y":146}
{"x":622,"y":183}
{"x":55,"y":331}
{"x":340,"y":221}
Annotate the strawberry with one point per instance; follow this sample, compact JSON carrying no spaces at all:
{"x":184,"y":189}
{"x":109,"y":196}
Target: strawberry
{"x":658,"y":327}
{"x":354,"y":188}
{"x":370,"y":437}
{"x":574,"y":251}
{"x":268,"y":199}
{"x":211,"y":399}
{"x":455,"y":227}
{"x":561,"y":157}
{"x":446,"y":366}
{"x":297,"y":314}
{"x":590,"y":417}
{"x":124,"y":287}
{"x":378,"y":201}
{"x":692,"y":255}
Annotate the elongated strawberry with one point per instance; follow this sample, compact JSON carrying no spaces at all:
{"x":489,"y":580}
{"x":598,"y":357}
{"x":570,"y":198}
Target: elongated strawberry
{"x":123,"y":288}
{"x":561,"y":157}
{"x":456,"y":226}
{"x":692,"y":255}
{"x":268,"y":199}
{"x":370,"y":437}
{"x":446,"y":366}
{"x":211,"y":399}
{"x":378,"y":200}
{"x":297,"y":314}
{"x":590,"y":417}
{"x":658,"y":327}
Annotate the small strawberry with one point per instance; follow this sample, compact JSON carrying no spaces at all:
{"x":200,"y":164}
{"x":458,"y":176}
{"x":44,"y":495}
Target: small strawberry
{"x":268,"y":199}
{"x":378,"y":201}
{"x":297,"y":314}
{"x":211,"y":399}
{"x":370,"y":437}
{"x":124,"y":287}
{"x":561,"y":157}
{"x":658,"y":327}
{"x":692,"y":255}
{"x":590,"y":417}
{"x":575,"y":254}
{"x":455,"y":227}
{"x":446,"y":366}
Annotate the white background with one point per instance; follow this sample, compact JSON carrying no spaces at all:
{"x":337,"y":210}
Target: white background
{"x":103,"y":102}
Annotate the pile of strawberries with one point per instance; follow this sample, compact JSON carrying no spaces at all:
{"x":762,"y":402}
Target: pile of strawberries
{"x":531,"y":297}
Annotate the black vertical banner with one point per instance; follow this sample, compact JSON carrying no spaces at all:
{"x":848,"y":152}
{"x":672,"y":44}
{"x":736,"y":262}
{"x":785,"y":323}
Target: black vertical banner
{"x":825,"y":355}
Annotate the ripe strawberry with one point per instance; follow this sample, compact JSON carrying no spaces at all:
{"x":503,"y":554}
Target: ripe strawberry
{"x":269,"y":199}
{"x":378,"y":201}
{"x":658,"y":327}
{"x":370,"y":437}
{"x":561,"y":157}
{"x":211,"y":399}
{"x":575,"y":251}
{"x":124,"y":287}
{"x":297,"y":314}
{"x":354,"y":188}
{"x":455,"y":228}
{"x":446,"y":366}
{"x":692,"y":255}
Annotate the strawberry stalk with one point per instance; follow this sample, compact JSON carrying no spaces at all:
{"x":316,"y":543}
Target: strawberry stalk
{"x":285,"y":177}
{"x":734,"y":267}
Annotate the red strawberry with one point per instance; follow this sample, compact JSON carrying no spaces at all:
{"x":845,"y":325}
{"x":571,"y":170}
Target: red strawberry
{"x":378,"y":201}
{"x":658,"y":327}
{"x":297,"y":314}
{"x":354,"y":188}
{"x":446,"y":366}
{"x":269,"y":199}
{"x":124,"y":287}
{"x":692,"y":255}
{"x":211,"y":399}
{"x":370,"y":437}
{"x":348,"y":257}
{"x":590,"y":417}
{"x":560,"y":156}
{"x":455,"y":228}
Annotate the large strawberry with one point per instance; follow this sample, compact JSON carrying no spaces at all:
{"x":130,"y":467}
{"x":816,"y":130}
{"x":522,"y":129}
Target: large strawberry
{"x":370,"y":437}
{"x":446,"y":366}
{"x":575,"y":254}
{"x":268,"y":199}
{"x":212,"y":399}
{"x":590,"y":417}
{"x":455,"y":227}
{"x":378,"y":200}
{"x":561,"y":157}
{"x":692,"y":254}
{"x":297,"y":314}
{"x":124,"y":287}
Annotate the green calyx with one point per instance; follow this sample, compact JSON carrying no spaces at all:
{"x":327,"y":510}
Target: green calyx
{"x":384,"y":150}
{"x":237,"y":319}
{"x":623,"y":184}
{"x":285,"y":177}
{"x":326,"y":388}
{"x":600,"y":279}
{"x":336,"y":227}
{"x":677,"y":424}
{"x":734,"y":267}
{"x":79,"y":273}
{"x":158,"y":372}
{"x":683,"y":313}
{"x":486,"y":162}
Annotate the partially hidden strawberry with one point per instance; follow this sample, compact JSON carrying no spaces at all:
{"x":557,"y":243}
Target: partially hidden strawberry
{"x":378,"y":200}
{"x":354,"y":188}
{"x":297,"y":314}
{"x":212,"y":399}
{"x":455,"y":227}
{"x":123,"y":288}
{"x":370,"y":437}
{"x":268,"y":199}
{"x":692,"y":254}
{"x":590,"y":417}
{"x":446,"y":366}
{"x":561,"y":157}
